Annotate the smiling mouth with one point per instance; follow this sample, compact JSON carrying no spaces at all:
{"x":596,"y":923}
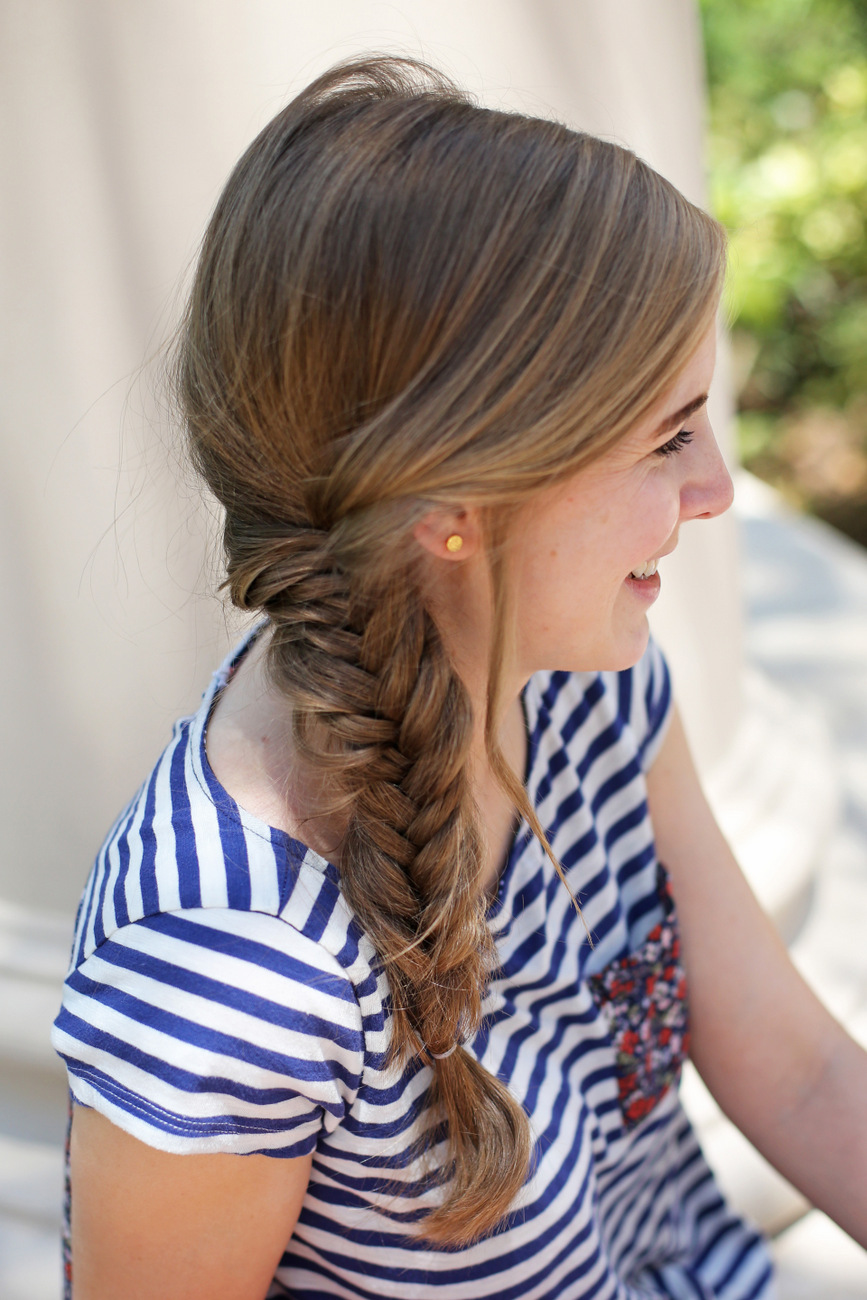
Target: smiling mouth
{"x":646,"y":570}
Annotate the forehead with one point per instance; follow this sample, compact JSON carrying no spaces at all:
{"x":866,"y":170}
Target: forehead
{"x":692,"y":383}
{"x":683,"y":399}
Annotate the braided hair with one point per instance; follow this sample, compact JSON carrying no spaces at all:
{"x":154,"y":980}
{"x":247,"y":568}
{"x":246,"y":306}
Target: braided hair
{"x":405,"y":301}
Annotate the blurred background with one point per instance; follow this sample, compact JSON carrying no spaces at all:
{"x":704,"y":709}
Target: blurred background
{"x":119,"y":123}
{"x":787,"y":160}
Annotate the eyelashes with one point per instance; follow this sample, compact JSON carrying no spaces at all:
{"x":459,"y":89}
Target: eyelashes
{"x":680,"y":440}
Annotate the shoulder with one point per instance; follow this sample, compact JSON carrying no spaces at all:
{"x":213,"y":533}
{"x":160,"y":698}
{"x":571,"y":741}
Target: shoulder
{"x":184,"y":845}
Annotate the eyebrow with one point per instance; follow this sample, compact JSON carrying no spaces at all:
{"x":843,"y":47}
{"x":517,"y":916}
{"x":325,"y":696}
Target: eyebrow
{"x":671,"y":421}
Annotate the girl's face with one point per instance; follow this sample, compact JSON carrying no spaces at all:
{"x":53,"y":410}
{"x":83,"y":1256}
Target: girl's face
{"x":579,"y":544}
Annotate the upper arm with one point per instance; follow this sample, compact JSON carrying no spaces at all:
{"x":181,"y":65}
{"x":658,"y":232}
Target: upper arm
{"x":778,"y":1063}
{"x":760,"y":1038}
{"x":198,"y":1042}
{"x":153,"y":1225}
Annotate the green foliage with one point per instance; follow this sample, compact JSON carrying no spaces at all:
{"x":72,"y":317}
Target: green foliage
{"x":788,"y":155}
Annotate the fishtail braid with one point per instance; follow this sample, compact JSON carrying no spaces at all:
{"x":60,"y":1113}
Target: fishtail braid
{"x":376,"y":700}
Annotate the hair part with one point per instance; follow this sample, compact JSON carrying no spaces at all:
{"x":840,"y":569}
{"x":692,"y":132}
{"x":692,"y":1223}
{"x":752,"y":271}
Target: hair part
{"x":404,"y":300}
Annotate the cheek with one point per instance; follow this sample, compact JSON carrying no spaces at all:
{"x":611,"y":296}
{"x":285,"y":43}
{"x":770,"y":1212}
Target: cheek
{"x":666,"y":520}
{"x":657,"y":512}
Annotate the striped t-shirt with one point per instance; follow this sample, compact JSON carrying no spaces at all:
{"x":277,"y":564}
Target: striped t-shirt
{"x":222,"y":997}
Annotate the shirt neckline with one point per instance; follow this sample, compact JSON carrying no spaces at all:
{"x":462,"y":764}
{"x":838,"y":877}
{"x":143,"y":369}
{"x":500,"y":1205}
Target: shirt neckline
{"x":522,"y":834}
{"x":222,"y":799}
{"x":213,"y":787}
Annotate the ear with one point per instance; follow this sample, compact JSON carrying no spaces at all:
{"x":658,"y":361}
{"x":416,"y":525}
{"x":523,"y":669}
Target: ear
{"x":449,"y":534}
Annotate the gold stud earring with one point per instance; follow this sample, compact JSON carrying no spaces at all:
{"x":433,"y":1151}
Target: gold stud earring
{"x":454,"y":543}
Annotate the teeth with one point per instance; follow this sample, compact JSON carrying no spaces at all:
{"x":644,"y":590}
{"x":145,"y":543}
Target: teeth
{"x":645,"y":570}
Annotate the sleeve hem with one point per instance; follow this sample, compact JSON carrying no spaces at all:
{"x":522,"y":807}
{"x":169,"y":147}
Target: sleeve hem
{"x":127,"y":1112}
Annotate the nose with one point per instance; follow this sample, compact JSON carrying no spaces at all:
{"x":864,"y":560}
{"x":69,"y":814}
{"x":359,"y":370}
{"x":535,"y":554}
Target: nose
{"x":707,"y":490}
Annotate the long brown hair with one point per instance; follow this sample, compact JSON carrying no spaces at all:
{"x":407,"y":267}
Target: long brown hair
{"x":404,"y":300}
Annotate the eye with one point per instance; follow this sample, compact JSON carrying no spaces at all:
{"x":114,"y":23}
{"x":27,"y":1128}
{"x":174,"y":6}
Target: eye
{"x":680,"y":440}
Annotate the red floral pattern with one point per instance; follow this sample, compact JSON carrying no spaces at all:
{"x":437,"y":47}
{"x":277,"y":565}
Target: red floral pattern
{"x":644,"y":997}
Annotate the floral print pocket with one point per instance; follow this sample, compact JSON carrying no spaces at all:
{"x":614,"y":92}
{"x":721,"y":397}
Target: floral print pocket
{"x":644,"y":997}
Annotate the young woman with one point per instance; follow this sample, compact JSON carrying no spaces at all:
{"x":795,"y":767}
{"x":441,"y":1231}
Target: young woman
{"x":388,"y":919}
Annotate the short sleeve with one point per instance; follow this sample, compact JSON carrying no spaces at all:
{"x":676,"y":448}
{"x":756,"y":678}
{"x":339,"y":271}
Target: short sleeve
{"x":213,"y":1030}
{"x":649,"y":702}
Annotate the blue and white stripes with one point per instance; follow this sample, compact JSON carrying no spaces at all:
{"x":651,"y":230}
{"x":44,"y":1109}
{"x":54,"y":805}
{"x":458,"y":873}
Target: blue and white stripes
{"x":222,"y":997}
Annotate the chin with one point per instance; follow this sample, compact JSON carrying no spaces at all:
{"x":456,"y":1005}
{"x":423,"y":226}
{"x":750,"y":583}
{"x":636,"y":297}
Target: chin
{"x":612,"y":656}
{"x":624,"y":653}
{"x":632,"y":655}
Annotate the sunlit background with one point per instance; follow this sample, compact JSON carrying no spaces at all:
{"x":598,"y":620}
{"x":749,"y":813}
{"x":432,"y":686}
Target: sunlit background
{"x":787,"y":155}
